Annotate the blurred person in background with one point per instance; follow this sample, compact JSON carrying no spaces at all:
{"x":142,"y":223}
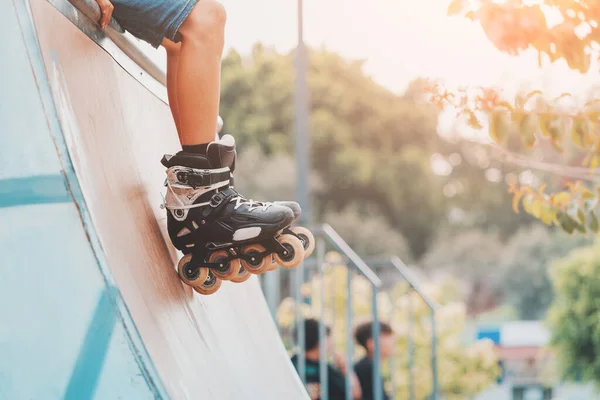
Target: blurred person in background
{"x":335,"y":373}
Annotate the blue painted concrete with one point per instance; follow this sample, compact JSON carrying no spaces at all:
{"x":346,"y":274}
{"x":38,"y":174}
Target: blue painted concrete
{"x":33,"y":190}
{"x":64,"y":331}
{"x":93,"y":352}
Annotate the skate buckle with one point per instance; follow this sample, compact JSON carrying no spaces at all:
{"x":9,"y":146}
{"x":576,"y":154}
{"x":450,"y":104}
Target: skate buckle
{"x":216,"y":200}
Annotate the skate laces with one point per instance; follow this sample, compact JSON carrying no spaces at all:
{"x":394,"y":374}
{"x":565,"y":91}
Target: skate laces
{"x":252,"y":205}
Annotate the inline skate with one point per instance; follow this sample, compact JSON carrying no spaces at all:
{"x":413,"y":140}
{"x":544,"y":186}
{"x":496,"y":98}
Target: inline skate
{"x":223,"y":235}
{"x":305,"y":235}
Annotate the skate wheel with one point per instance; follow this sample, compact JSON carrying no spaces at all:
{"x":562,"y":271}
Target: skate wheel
{"x":242,"y":276}
{"x":307,"y":238}
{"x":294,"y":252}
{"x":189,"y":275}
{"x":228,"y":269}
{"x":258,"y":263}
{"x":210,"y":286}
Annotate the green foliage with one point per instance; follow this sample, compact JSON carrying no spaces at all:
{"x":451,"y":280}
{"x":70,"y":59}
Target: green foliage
{"x":467,"y":369}
{"x":369,"y":233}
{"x":495,"y":273}
{"x":369,"y":146}
{"x":525,"y":263}
{"x":513,"y":26}
{"x":473,"y":258}
{"x":574,"y":316}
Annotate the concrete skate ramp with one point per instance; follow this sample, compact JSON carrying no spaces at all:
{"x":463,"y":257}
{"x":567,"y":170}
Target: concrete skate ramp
{"x":115,"y":130}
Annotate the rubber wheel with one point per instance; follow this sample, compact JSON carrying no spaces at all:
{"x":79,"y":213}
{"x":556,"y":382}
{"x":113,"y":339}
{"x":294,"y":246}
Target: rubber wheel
{"x":308,"y":240}
{"x":260,"y":264}
{"x":187,"y":277}
{"x":242,"y":276}
{"x":211,"y":285}
{"x":295,"y":252}
{"x":230,"y":269}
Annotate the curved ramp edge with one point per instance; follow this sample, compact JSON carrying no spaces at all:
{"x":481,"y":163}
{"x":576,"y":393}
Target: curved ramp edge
{"x":113,"y":132}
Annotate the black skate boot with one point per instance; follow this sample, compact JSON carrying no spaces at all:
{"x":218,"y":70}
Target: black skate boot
{"x":305,"y":235}
{"x":302,"y":233}
{"x":218,"y":230}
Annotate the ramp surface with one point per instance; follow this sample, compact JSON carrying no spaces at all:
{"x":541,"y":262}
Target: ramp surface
{"x":91,"y":302}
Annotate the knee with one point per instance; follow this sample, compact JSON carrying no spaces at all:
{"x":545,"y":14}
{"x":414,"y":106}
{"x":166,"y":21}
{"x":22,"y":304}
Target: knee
{"x":206,"y":23}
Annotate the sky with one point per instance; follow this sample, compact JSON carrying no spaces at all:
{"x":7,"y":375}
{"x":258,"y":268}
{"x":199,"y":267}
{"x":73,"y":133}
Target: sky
{"x":400,"y":39}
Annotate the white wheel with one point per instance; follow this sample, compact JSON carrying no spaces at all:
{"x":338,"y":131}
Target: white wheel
{"x":308,"y":240}
{"x":294,"y":252}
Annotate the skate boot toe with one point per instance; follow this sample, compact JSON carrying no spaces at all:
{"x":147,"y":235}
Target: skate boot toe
{"x":292,"y":205}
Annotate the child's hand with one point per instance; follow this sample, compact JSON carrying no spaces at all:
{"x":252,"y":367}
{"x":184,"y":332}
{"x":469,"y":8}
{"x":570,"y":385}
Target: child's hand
{"x":106,"y":8}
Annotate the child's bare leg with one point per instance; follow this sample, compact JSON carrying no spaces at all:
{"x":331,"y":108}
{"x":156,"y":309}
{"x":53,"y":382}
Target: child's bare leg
{"x":173,"y":50}
{"x":198,"y":73}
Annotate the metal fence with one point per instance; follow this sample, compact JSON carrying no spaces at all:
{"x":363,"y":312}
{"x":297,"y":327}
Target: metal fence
{"x":328,"y":239}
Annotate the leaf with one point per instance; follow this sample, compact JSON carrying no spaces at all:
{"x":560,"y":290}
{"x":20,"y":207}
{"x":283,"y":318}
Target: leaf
{"x":581,"y":215}
{"x":527,"y":129}
{"x":593,"y":222}
{"x":456,"y":7}
{"x":528,"y":204}
{"x":472,"y":120}
{"x":580,"y":132}
{"x":566,"y":222}
{"x":515,"y":202}
{"x":536,"y":208}
{"x":552,"y":127}
{"x":562,"y":96}
{"x":545,"y":122}
{"x":547,"y":215}
{"x":521,"y":101}
{"x":586,"y":194}
{"x":506,"y":105}
{"x":561,"y":199}
{"x":499,"y":126}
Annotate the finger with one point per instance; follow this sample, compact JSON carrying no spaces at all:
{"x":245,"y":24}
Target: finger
{"x":106,"y":15}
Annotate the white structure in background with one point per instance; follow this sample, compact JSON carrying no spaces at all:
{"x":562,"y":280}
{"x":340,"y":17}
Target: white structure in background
{"x":521,"y":349}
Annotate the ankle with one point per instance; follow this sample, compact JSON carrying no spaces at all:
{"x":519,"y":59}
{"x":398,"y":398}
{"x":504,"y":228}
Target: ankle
{"x":195,"y":148}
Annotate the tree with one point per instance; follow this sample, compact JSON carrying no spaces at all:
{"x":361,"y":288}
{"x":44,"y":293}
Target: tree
{"x":467,"y":369}
{"x":370,"y":147}
{"x":525,"y":264}
{"x":368,"y":233}
{"x":473,"y":257}
{"x":574,"y":317}
{"x":567,"y":123}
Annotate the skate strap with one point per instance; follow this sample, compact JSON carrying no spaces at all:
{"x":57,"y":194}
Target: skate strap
{"x":217,"y":199}
{"x":202,"y":177}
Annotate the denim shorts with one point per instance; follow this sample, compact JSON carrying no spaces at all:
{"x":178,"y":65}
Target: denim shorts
{"x":152,"y":20}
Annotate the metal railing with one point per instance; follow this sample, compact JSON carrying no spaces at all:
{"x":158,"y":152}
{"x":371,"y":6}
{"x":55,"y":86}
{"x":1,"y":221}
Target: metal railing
{"x":401,"y":268}
{"x":316,"y":266}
